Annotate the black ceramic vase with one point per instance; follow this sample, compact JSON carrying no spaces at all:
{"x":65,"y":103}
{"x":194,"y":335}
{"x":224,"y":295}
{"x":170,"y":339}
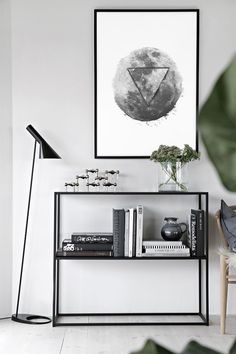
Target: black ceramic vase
{"x":173,"y":231}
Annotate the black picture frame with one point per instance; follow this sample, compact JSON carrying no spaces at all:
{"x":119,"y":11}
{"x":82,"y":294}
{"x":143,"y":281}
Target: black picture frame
{"x":96,"y":12}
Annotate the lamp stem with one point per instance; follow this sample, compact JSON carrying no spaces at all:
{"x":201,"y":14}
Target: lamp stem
{"x":26,"y":229}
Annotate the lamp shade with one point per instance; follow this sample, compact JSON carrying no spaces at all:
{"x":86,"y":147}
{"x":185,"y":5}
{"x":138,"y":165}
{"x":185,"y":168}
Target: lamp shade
{"x":46,"y":151}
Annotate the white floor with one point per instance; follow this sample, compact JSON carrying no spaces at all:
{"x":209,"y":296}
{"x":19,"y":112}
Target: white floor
{"x":43,"y":339}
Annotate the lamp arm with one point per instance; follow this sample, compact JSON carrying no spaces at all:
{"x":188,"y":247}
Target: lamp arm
{"x":26,"y":229}
{"x":35,"y":134}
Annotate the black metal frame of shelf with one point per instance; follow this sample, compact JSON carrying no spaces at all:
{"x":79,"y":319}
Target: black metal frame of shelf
{"x":58,"y":257}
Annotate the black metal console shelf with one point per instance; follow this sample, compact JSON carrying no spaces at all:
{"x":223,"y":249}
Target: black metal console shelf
{"x":203,"y":318}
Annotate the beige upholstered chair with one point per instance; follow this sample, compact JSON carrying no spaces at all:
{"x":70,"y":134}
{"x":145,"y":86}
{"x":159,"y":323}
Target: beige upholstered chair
{"x":225,"y":277}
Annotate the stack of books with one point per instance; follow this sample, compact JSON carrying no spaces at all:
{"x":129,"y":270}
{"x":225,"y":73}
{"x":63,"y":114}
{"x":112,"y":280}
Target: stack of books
{"x":128,"y":232}
{"x":165,"y":249}
{"x":88,"y":244}
{"x":195,"y":238}
{"x":126,"y":240}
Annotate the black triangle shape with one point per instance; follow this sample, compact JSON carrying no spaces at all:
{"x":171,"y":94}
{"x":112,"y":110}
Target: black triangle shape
{"x":148,"y":80}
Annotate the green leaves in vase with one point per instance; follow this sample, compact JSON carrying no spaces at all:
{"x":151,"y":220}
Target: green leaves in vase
{"x":150,"y":347}
{"x":217,"y":122}
{"x":174,"y":154}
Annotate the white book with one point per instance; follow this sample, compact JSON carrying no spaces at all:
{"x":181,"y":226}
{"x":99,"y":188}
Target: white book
{"x":126,"y":252}
{"x":139,"y":234}
{"x":167,"y":251}
{"x":162,"y":243}
{"x":162,"y":247}
{"x":131,"y":231}
{"x":166,"y":255}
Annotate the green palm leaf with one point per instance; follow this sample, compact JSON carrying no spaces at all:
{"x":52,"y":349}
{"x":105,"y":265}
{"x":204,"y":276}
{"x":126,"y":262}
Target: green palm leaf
{"x":150,"y":347}
{"x":233,"y":348}
{"x":217,"y":122}
{"x":196,"y":348}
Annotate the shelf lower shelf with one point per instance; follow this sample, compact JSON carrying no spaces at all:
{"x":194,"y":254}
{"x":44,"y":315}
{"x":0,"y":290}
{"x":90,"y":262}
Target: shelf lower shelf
{"x":129,"y":319}
{"x":59,"y":256}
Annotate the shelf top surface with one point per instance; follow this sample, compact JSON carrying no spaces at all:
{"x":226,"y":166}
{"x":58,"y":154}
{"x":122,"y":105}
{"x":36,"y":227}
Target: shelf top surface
{"x":133,"y":193}
{"x":129,"y":259}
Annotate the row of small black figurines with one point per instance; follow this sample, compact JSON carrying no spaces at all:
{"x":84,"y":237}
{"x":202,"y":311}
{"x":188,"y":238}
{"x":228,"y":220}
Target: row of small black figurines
{"x":94,"y":181}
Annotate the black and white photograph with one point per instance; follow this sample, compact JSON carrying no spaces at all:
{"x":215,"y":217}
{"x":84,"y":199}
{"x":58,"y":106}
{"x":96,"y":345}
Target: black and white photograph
{"x":146,"y":84}
{"x":118,"y":187}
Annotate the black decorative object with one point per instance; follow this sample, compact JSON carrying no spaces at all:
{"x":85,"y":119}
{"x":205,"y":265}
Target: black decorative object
{"x":45,"y":152}
{"x":93,"y":186}
{"x":146,"y":85}
{"x":94,"y":180}
{"x":73,"y":185}
{"x":173,"y":231}
{"x":109,"y":186}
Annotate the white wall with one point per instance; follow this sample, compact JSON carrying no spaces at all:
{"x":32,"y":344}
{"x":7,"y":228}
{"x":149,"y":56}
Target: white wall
{"x":5,"y":161}
{"x":52,"y":58}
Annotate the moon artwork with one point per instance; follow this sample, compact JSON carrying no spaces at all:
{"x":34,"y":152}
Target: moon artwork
{"x":147,"y":84}
{"x":146,"y":81}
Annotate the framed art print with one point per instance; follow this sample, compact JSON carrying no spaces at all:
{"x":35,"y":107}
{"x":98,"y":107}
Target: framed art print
{"x":146,"y":81}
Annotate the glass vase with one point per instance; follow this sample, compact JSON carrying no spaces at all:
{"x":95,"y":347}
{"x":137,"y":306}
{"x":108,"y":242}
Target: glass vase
{"x":172,"y":177}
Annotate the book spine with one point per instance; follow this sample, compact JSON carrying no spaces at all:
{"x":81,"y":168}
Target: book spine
{"x":199,"y":216}
{"x":172,"y":251}
{"x":139,"y":238}
{"x":126,"y":252}
{"x":164,"y":247}
{"x":165,"y":255}
{"x":200,"y":234}
{"x":69,"y":246}
{"x":118,"y":232}
{"x":193,"y":235}
{"x":189,"y":237}
{"x":87,"y":253}
{"x":75,"y":238}
{"x":162,"y":243}
{"x":131,"y":230}
{"x":134,"y":233}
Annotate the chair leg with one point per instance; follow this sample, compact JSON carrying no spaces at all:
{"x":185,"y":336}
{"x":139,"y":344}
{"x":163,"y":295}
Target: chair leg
{"x":224,"y":292}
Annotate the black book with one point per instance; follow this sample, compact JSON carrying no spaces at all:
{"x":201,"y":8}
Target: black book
{"x":85,"y":253}
{"x":92,"y":237}
{"x":134,"y":233}
{"x":193,"y":234}
{"x":199,"y":215}
{"x":118,"y":232}
{"x":68,"y":245}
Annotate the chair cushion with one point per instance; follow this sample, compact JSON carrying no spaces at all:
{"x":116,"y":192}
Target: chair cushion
{"x":228,"y":223}
{"x":230,"y":257}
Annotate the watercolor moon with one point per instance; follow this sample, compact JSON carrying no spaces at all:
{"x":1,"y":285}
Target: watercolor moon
{"x":147,"y":84}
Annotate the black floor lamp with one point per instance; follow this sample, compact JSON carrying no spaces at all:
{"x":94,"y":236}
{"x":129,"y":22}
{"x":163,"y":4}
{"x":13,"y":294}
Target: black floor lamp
{"x":45,"y":152}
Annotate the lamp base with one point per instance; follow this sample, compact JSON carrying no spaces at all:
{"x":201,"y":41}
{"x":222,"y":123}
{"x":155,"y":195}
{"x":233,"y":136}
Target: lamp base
{"x":30,"y":319}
